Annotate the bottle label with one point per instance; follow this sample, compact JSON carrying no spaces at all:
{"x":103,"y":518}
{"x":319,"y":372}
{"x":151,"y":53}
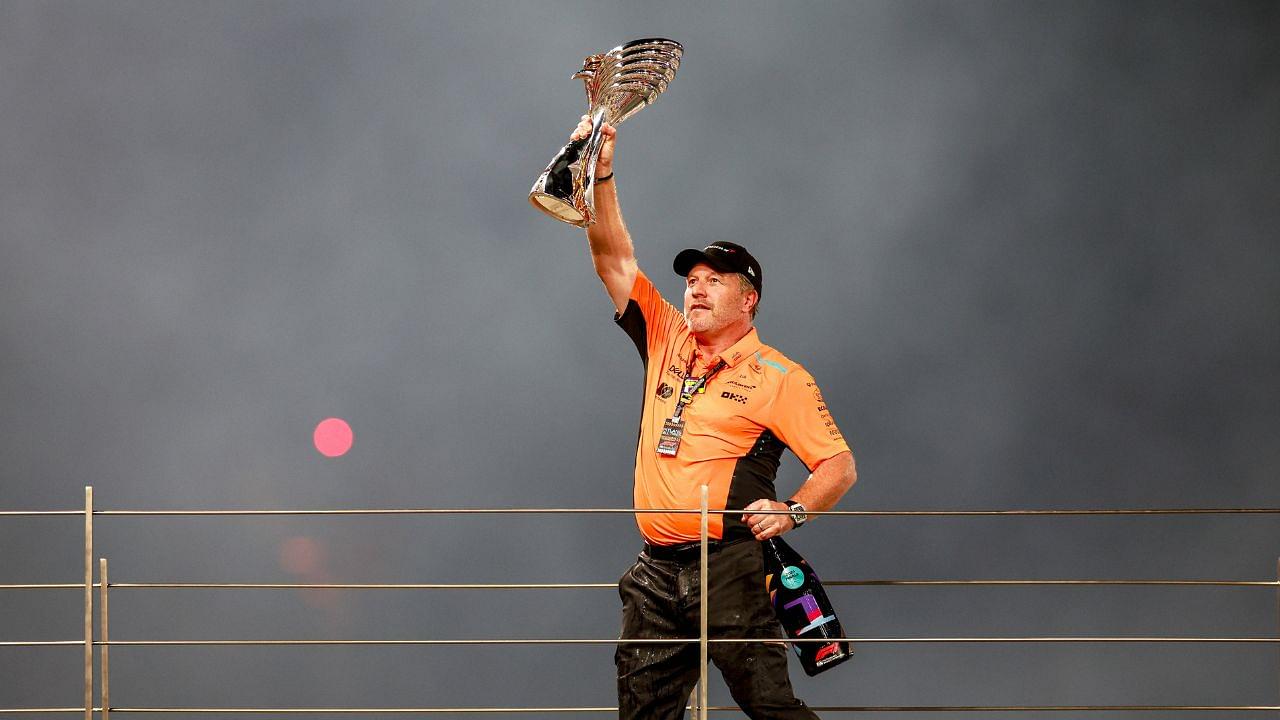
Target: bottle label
{"x":812,"y":611}
{"x":792,"y":577}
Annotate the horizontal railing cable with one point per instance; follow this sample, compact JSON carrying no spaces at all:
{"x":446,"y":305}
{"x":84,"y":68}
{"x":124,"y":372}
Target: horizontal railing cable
{"x":632,"y":511}
{"x":1048,"y":639}
{"x":662,"y":641}
{"x":40,"y":643}
{"x":649,"y":641}
{"x":726,"y":708}
{"x":614,"y":709}
{"x":613,"y":585}
{"x":9,"y":711}
{"x":713,"y":709}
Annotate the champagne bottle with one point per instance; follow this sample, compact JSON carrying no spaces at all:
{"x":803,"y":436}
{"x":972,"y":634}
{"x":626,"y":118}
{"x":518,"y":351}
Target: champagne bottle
{"x":802,"y":608}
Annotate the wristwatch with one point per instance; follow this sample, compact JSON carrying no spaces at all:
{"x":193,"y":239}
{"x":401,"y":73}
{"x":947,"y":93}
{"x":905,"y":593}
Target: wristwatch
{"x":798,"y":513}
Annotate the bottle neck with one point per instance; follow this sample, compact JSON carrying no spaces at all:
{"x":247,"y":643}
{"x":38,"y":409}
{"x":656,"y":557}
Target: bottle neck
{"x":772,"y":549}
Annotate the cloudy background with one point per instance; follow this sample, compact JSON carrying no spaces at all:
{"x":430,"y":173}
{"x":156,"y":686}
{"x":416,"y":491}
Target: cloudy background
{"x":1028,"y":249}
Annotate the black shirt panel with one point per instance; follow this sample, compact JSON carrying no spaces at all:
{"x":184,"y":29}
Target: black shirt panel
{"x":753,"y":477}
{"x":632,"y":323}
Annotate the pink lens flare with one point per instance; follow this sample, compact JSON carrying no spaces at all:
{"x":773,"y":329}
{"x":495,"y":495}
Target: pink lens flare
{"x":333,"y":437}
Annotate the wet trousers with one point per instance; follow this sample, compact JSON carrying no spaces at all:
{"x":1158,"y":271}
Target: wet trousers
{"x":660,"y":600}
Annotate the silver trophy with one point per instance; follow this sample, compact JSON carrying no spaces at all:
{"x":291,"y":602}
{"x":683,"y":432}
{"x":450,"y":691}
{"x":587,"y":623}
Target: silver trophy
{"x":619,"y":83}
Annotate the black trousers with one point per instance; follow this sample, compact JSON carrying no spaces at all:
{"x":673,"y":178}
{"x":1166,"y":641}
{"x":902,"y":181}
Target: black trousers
{"x":660,"y":600}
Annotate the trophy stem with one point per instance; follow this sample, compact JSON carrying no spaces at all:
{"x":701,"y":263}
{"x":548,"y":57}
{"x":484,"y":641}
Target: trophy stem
{"x":595,"y":143}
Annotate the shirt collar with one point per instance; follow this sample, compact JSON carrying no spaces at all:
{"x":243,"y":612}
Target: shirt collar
{"x":746,"y":347}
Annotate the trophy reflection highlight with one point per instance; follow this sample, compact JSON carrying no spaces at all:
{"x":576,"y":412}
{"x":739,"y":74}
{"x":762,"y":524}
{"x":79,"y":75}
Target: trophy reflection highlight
{"x":619,"y":84}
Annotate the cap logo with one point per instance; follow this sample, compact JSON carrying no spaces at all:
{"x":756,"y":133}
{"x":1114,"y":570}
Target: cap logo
{"x":720,"y":248}
{"x":751,"y":271}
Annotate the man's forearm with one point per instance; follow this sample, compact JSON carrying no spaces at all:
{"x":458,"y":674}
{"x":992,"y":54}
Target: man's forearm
{"x":608,"y":236}
{"x":612,"y":253}
{"x":828,"y":483}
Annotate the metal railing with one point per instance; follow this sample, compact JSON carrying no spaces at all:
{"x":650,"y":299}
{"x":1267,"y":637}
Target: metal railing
{"x":698,"y":705}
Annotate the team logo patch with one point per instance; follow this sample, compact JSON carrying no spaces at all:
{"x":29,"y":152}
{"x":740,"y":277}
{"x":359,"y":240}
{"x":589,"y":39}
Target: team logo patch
{"x":665,"y":391}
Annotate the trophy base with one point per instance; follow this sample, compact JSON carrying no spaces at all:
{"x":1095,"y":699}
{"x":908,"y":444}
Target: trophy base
{"x":558,"y":209}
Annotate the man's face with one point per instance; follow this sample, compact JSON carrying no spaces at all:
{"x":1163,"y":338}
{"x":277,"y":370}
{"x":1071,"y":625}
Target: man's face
{"x":713,"y":300}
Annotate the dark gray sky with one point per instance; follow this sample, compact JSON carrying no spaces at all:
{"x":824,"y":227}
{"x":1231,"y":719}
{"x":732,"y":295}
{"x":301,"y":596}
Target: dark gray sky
{"x":1027,"y":248}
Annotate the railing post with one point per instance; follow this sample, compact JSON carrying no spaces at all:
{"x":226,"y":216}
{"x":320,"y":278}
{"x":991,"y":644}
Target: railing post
{"x":88,"y":602}
{"x":702,"y":620}
{"x":105,"y":687}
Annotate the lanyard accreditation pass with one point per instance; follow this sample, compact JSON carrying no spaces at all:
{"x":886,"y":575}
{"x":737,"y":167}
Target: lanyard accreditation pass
{"x":673,"y":427}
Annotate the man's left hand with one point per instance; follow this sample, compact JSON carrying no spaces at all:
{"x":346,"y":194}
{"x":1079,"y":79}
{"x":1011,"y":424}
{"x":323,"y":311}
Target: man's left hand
{"x":767,"y":526}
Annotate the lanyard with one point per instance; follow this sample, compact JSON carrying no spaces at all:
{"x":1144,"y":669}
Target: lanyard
{"x":691,"y":387}
{"x":673,"y":427}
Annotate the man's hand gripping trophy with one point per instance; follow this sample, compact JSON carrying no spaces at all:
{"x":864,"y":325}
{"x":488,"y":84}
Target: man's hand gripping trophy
{"x":609,"y":135}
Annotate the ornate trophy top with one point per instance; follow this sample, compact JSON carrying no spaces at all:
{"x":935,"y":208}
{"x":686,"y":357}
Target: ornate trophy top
{"x":630,"y":76}
{"x":619,"y":84}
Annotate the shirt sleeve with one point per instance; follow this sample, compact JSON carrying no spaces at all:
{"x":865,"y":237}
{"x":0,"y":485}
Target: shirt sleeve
{"x":648,"y":318}
{"x":803,"y":422}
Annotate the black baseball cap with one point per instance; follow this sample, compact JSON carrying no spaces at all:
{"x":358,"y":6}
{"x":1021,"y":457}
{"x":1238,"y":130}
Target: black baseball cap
{"x":724,"y":257}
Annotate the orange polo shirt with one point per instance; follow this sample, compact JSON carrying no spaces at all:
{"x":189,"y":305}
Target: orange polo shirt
{"x":735,"y":430}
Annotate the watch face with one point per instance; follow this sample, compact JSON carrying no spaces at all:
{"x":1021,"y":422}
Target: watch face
{"x":798,"y":515}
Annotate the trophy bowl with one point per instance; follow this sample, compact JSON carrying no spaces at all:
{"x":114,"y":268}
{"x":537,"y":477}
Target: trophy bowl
{"x":619,"y":84}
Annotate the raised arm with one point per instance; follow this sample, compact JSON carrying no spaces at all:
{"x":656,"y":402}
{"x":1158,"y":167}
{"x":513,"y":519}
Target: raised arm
{"x":612,"y":253}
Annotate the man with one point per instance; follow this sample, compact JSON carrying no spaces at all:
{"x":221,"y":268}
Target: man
{"x":719,"y":409}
